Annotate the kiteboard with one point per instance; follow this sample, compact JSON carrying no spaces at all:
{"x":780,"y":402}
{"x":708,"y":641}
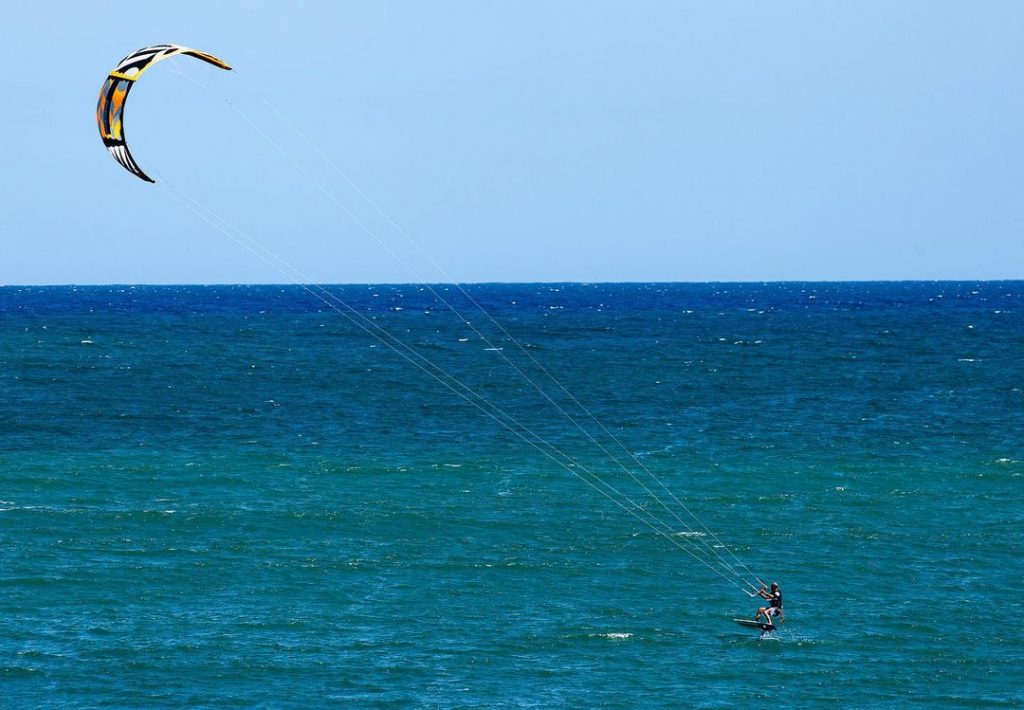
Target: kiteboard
{"x":760,"y":625}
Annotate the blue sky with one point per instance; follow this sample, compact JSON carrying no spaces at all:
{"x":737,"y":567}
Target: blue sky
{"x":521,"y":141}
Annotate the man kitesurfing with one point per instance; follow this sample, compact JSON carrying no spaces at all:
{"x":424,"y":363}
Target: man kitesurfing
{"x":773,"y":595}
{"x":774,"y":608}
{"x":683,"y":533}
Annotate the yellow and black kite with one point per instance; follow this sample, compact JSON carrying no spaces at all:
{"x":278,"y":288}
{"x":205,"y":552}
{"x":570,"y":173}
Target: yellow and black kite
{"x":110,"y":109}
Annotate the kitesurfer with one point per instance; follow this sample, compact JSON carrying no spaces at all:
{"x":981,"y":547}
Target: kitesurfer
{"x":774,"y":608}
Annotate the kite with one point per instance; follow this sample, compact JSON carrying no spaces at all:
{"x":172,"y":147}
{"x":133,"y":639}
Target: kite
{"x":110,"y":108}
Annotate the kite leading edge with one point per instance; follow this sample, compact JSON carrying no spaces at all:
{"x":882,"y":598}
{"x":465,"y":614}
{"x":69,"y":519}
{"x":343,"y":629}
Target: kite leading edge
{"x":114,"y":92}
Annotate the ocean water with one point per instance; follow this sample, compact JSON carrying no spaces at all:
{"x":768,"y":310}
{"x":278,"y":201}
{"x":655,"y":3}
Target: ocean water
{"x":235,"y":496}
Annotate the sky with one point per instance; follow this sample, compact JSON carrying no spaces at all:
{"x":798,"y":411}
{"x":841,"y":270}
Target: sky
{"x":518,"y":141}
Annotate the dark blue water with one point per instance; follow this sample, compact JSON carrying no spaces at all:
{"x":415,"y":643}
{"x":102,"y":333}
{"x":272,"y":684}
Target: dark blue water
{"x":236,"y":496}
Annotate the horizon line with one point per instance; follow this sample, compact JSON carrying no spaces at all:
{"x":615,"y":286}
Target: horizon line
{"x":300,"y":284}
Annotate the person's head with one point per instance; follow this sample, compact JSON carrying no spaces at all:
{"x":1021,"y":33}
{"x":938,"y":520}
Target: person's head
{"x":775,"y":586}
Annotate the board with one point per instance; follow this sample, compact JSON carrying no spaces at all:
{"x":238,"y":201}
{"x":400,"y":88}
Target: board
{"x":760,"y":625}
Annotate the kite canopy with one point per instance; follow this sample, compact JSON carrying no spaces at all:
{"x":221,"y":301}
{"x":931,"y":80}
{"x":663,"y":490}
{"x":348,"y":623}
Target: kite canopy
{"x":110,"y":108}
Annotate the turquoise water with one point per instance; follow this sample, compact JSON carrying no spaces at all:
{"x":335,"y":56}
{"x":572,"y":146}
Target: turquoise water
{"x":233,"y":496}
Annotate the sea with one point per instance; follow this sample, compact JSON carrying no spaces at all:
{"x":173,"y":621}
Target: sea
{"x":512,"y":495}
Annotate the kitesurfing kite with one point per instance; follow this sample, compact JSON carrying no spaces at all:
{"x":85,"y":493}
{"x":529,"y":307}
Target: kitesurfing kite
{"x":110,"y":108}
